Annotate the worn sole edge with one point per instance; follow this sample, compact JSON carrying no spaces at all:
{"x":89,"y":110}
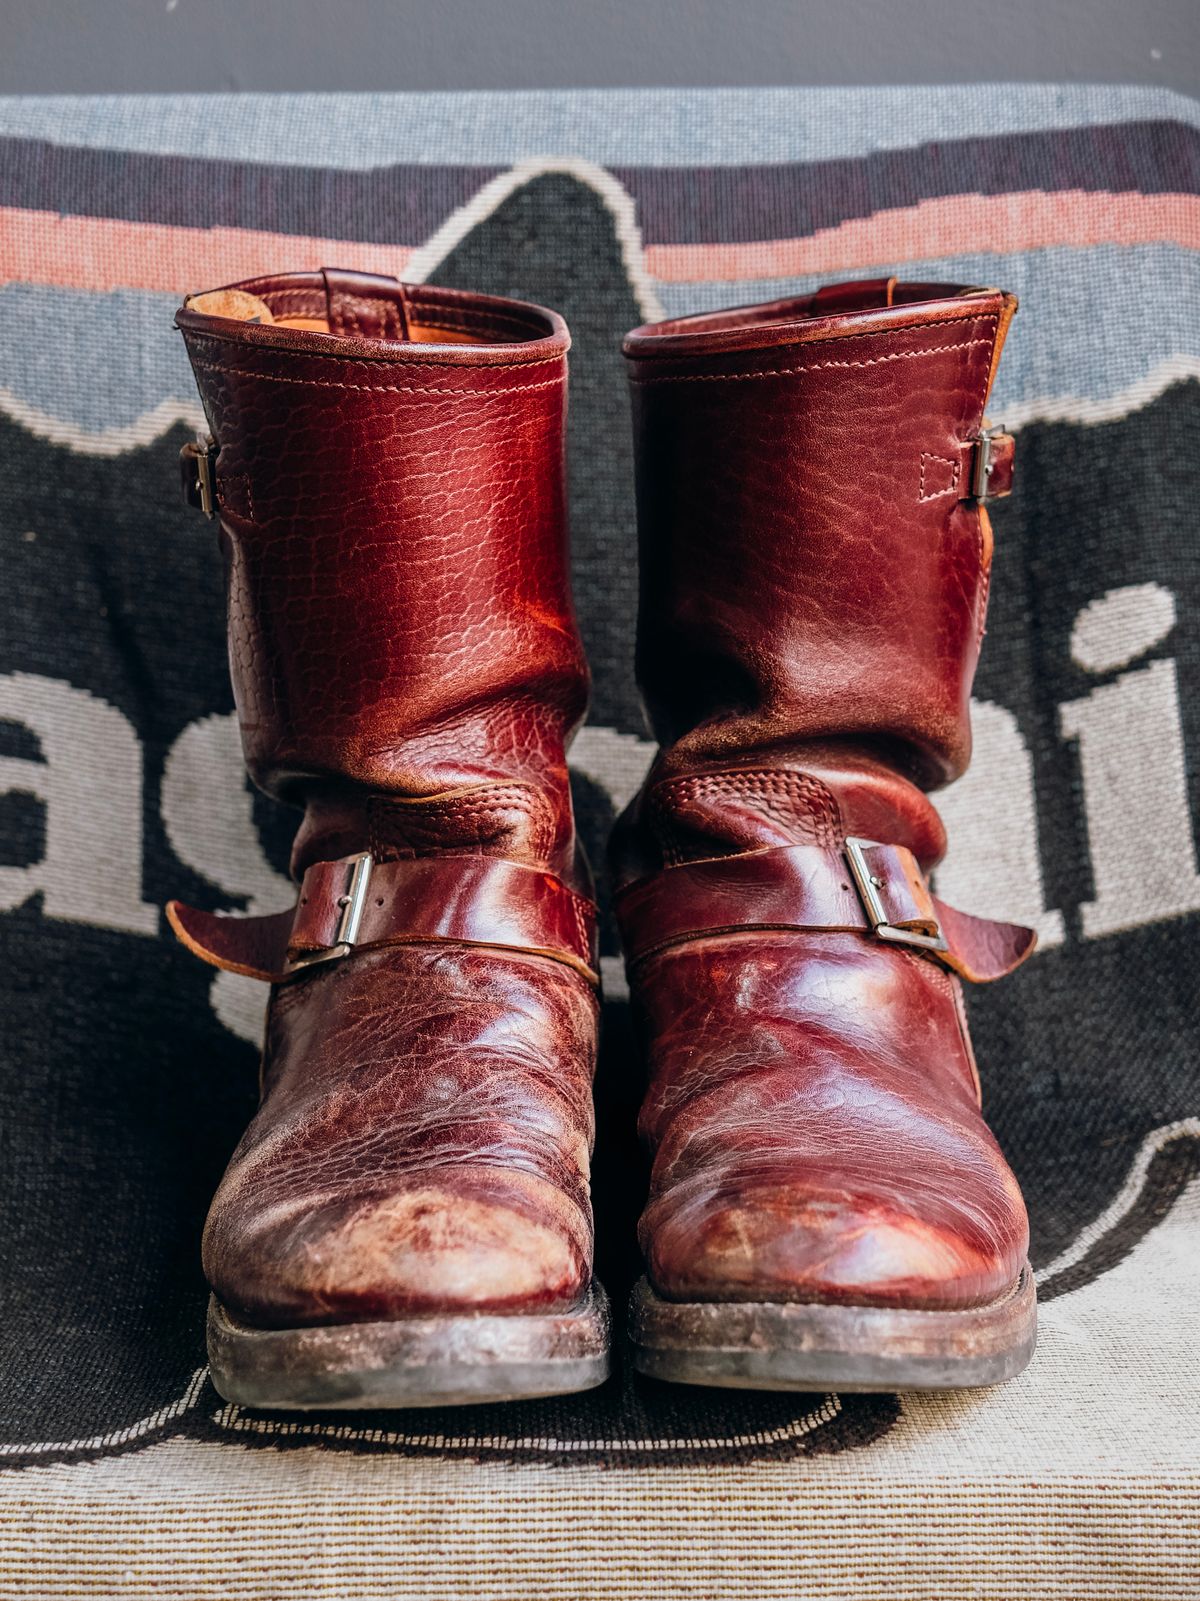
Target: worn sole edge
{"x":776,"y":1345}
{"x":461,"y":1360}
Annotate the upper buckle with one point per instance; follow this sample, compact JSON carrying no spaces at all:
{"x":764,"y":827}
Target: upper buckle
{"x":984,"y":464}
{"x":352,"y":904}
{"x":198,"y":474}
{"x":868,"y":887}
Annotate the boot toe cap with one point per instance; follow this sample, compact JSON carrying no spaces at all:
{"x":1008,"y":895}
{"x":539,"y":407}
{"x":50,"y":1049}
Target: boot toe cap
{"x":433,"y":1248}
{"x":783,"y":1243}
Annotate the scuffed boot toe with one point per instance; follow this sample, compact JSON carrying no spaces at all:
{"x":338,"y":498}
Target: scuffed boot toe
{"x":426,"y":1250}
{"x":786,"y":1244}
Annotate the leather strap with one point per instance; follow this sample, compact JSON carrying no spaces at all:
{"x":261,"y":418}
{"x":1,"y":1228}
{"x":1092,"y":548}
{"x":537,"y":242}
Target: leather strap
{"x":364,"y":304}
{"x":870,"y":889}
{"x":347,"y":906}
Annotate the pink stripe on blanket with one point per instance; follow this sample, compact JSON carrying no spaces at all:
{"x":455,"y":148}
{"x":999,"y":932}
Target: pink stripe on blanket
{"x":956,"y":226}
{"x":102,"y":253}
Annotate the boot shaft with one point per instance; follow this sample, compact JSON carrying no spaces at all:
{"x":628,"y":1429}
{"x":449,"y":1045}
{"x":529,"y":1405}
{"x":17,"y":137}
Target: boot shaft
{"x":814,"y":558}
{"x":391,"y":490}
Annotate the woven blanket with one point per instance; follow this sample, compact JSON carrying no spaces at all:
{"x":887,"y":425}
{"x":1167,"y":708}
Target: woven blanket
{"x":127,"y":1071}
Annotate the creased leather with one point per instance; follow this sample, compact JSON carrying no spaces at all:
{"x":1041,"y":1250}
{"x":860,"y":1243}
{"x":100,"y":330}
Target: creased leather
{"x":814,"y":579}
{"x":422,"y":1146}
{"x":406,"y":669}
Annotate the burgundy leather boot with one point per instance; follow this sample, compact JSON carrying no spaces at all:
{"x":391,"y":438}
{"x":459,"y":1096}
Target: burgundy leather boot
{"x":827,"y":1205}
{"x":407,"y":1219}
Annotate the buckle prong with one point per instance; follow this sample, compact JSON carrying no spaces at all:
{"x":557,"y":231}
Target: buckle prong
{"x":868,"y":885}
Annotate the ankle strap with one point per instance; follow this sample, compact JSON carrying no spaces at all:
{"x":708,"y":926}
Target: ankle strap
{"x":865,"y":888}
{"x":360,"y":904}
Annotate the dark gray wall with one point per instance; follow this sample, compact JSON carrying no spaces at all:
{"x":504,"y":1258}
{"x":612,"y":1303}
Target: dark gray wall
{"x":130,"y":46}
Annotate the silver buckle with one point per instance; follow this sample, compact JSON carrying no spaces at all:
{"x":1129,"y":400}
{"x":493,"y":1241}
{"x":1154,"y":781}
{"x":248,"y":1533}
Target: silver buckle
{"x":868,"y":887}
{"x":197,"y":462}
{"x":983,"y":464}
{"x":352,"y":903}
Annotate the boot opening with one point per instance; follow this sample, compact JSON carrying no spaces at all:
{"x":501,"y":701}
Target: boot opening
{"x":380,"y":308}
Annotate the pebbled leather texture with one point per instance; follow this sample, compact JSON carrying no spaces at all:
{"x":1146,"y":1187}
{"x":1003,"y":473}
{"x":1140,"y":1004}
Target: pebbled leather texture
{"x":814,"y":585}
{"x":400,"y":622}
{"x":407,"y":669}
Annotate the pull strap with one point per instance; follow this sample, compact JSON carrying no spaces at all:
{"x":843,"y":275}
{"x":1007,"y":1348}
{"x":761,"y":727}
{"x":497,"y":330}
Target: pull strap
{"x":362,"y":304}
{"x":866,"y":888}
{"x":361,"y":904}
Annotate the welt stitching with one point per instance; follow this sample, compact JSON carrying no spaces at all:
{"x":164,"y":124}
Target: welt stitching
{"x":376,"y":389}
{"x":360,"y":361}
{"x":810,"y":366}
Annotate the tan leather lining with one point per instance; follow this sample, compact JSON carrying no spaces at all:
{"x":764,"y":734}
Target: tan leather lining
{"x":236,"y":304}
{"x":239,"y":306}
{"x":427,"y":334}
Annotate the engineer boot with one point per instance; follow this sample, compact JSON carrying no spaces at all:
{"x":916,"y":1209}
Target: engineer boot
{"x":407,"y":1219}
{"x":827,"y":1205}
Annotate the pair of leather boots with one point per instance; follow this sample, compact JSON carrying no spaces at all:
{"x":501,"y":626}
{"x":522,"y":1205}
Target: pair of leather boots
{"x":407,"y":1220}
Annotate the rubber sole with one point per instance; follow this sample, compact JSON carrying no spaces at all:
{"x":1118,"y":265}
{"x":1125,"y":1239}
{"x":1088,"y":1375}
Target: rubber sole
{"x":761,"y":1345}
{"x":414,"y":1362}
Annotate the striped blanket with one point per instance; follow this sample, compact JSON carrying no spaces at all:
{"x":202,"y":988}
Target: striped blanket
{"x":127,"y":1070}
